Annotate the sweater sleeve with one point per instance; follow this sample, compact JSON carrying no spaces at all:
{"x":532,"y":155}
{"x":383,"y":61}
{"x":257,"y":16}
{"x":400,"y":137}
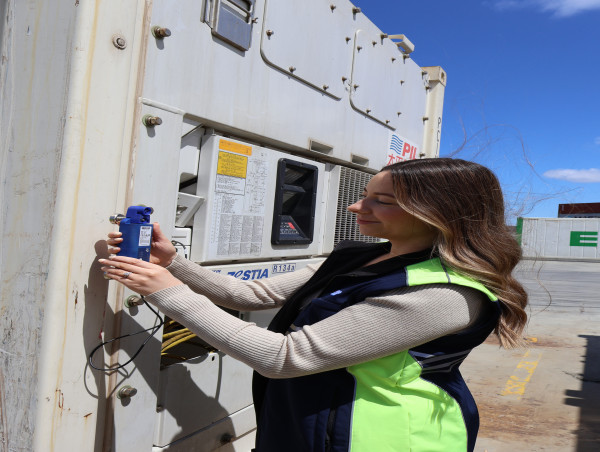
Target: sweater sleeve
{"x":374,"y":328}
{"x":233,"y":293}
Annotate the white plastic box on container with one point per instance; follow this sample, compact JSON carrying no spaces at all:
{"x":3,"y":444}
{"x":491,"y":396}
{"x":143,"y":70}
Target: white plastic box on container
{"x":559,"y":238}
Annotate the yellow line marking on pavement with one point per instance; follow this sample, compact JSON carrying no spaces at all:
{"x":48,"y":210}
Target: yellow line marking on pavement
{"x":515,"y":386}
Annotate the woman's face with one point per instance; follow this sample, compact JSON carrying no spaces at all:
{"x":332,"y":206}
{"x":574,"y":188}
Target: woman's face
{"x":379,"y":215}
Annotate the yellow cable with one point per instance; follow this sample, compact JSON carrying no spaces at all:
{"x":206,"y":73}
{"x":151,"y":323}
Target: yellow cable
{"x":174,"y":333}
{"x":173,"y":344}
{"x":173,"y":339}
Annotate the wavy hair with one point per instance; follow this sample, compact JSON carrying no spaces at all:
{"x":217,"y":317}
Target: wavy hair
{"x":463,"y":201}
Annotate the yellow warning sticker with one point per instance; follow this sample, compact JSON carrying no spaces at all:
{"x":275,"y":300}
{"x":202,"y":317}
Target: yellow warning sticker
{"x":232,"y":165}
{"x":235,"y":147}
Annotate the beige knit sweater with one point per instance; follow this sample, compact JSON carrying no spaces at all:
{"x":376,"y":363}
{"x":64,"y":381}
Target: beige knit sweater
{"x":376,"y":327}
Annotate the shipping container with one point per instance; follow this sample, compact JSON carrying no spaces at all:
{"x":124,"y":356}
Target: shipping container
{"x":206,"y":111}
{"x":559,"y":238}
{"x":579,"y":210}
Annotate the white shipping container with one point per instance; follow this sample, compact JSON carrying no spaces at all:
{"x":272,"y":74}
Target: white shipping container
{"x":216,"y":113}
{"x":559,"y":238}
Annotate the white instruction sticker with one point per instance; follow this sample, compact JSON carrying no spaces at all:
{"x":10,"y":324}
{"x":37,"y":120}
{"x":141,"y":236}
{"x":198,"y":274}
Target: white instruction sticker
{"x":145,"y":235}
{"x":237,"y":219}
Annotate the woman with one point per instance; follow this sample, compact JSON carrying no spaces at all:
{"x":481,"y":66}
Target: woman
{"x":363,"y":355}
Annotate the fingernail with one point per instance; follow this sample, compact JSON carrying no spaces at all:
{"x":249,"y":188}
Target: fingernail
{"x":101,"y":260}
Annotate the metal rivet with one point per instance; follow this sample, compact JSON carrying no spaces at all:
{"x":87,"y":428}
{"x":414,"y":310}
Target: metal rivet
{"x":348,"y":39}
{"x":160,"y":32}
{"x":399,"y":113}
{"x":151,"y":121}
{"x":368,"y":110}
{"x":387,"y":121}
{"x":359,"y":48}
{"x":270,"y":33}
{"x":393,"y":59}
{"x":383,"y":35}
{"x":374,"y":43}
{"x":292,"y":68}
{"x":126,"y":392}
{"x":356,"y":86}
{"x":255,"y":20}
{"x":344,"y":79}
{"x":325,"y":87}
{"x":119,"y":42}
{"x":332,"y":6}
{"x":356,"y":10}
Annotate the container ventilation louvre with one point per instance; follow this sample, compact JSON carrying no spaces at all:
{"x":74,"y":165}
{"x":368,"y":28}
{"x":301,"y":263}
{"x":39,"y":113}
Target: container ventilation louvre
{"x":352,"y":183}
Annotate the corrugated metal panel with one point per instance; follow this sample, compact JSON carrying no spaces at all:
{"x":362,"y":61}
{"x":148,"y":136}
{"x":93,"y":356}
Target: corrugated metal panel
{"x":579,"y":210}
{"x":561,"y":238}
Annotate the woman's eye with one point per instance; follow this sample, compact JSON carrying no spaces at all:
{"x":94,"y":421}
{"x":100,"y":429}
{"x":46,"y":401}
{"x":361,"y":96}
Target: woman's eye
{"x":377,"y":201}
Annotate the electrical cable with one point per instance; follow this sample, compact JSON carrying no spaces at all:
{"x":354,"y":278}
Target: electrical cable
{"x":176,"y":341}
{"x":174,"y":333}
{"x":153,"y":330}
{"x":178,"y":243}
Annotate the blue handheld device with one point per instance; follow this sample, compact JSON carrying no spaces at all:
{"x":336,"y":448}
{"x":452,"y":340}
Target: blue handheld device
{"x":137,"y":232}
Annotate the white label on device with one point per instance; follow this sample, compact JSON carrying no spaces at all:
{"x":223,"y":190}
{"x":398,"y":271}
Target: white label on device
{"x":145,"y":235}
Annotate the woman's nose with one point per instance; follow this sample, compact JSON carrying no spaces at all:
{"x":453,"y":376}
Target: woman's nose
{"x":357,"y":207}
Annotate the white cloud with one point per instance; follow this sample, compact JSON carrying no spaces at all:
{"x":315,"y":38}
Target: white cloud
{"x":502,"y":5}
{"x":559,"y":8}
{"x":572,"y":175}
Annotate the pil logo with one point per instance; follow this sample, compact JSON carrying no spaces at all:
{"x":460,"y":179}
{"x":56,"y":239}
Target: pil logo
{"x":400,"y":150}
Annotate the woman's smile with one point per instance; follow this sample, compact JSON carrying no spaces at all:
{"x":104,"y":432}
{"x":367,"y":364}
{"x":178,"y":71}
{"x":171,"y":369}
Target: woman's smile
{"x":363,"y":221}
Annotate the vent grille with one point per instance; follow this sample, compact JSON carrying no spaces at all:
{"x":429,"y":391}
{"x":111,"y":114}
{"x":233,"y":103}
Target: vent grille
{"x":352,"y":183}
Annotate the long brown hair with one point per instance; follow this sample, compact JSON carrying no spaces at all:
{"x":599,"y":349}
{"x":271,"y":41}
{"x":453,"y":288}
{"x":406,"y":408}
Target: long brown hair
{"x":463,"y":201}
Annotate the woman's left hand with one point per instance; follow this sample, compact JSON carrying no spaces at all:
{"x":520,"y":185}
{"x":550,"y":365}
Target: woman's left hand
{"x":138,"y":275}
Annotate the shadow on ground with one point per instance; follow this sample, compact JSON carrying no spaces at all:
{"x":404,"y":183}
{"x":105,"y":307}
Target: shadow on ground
{"x":588,"y":398}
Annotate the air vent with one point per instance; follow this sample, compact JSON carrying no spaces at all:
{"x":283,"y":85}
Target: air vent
{"x":352,"y":183}
{"x":231,"y":21}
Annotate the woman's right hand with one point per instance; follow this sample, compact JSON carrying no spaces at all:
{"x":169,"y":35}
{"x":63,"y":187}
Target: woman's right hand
{"x":162,"y":252}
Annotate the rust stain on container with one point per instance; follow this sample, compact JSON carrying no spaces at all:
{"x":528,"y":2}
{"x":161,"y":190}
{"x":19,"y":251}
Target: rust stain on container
{"x":68,"y":277}
{"x":60,"y":399}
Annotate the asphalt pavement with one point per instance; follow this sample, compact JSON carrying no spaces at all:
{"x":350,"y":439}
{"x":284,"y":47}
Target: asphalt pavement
{"x":546,"y":397}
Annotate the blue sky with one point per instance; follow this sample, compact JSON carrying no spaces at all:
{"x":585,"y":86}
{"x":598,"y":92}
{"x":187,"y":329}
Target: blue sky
{"x":523,"y":93}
